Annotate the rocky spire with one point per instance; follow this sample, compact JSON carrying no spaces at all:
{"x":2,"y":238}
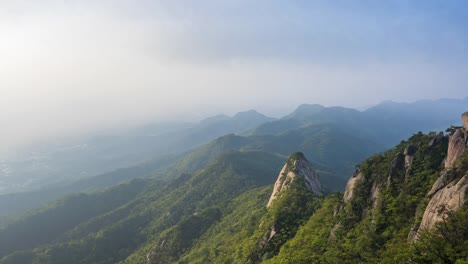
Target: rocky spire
{"x":449,"y":191}
{"x":465,"y":120}
{"x":297,"y":167}
{"x":465,"y":126}
{"x":456,"y":147}
{"x":353,"y":182}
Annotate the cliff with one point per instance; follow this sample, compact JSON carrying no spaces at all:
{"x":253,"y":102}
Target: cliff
{"x":404,"y":205}
{"x":449,"y":190}
{"x":296,"y":168}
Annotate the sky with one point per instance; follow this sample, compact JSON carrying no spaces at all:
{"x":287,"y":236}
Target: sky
{"x":70,"y":67}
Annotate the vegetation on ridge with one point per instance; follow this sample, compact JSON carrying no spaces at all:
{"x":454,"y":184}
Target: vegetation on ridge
{"x":219,"y":215}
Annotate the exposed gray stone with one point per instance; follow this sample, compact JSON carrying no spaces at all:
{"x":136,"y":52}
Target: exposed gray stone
{"x":456,"y":147}
{"x":290,"y":172}
{"x":449,"y":198}
{"x":438,"y":184}
{"x":410,"y":150}
{"x":353,"y":182}
{"x":465,"y":120}
{"x":375,"y":192}
{"x":408,"y":164}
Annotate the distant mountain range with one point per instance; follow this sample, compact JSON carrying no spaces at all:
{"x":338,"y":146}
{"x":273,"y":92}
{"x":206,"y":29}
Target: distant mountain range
{"x":404,"y":205}
{"x":387,"y":122}
{"x":63,"y":162}
{"x":334,"y":139}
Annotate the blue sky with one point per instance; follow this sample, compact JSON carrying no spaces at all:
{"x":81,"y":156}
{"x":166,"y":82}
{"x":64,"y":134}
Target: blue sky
{"x":62,"y":61}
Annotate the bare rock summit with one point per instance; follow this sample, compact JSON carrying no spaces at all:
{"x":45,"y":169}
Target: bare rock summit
{"x":296,"y":168}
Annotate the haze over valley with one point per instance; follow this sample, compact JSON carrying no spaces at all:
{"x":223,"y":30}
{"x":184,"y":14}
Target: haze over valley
{"x":233,"y":132}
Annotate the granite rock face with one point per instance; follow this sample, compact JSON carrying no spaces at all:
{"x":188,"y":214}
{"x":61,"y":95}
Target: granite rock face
{"x":353,"y":182}
{"x":465,"y":120}
{"x":465,"y":126}
{"x":296,"y":166}
{"x":449,"y":191}
{"x":449,"y":198}
{"x":409,"y":152}
{"x":456,"y":147}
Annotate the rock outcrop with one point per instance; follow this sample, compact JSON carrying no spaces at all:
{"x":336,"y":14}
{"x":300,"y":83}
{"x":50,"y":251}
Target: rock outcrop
{"x":449,"y":191}
{"x":409,"y":152}
{"x":436,"y":139}
{"x":353,"y":182}
{"x":375,"y":192}
{"x":465,"y":120}
{"x":456,"y":147}
{"x":439,"y":184}
{"x":449,"y":198}
{"x":465,"y":126}
{"x":297,"y":167}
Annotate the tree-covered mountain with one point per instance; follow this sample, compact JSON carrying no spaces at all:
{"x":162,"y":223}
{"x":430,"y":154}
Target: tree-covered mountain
{"x":332,"y":150}
{"x":13,"y":205}
{"x":159,"y":208}
{"x":404,"y":205}
{"x":68,"y":160}
{"x":220,"y":214}
{"x":386,"y":123}
{"x":334,"y":139}
{"x":152,"y":147}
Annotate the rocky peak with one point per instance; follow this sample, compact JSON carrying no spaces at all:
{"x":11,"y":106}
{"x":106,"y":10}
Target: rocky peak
{"x":297,"y":167}
{"x":465,"y":126}
{"x":465,"y":120}
{"x":456,"y":147}
{"x":353,"y":182}
{"x":449,"y":191}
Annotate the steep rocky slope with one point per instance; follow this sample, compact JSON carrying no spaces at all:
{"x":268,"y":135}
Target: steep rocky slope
{"x":406,"y":205}
{"x":333,"y":138}
{"x":449,"y":191}
{"x":297,"y":168}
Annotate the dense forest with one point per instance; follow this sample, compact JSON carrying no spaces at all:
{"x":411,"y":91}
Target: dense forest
{"x":233,"y":132}
{"x":219,"y":215}
{"x":403,"y":205}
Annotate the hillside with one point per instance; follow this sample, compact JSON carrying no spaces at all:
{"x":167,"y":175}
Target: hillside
{"x":63,"y":161}
{"x":230,"y":212}
{"x":332,"y":150}
{"x":400,"y":207}
{"x":159,"y":209}
{"x":406,"y":205}
{"x":334,"y":139}
{"x":386,"y":123}
{"x":123,"y":156}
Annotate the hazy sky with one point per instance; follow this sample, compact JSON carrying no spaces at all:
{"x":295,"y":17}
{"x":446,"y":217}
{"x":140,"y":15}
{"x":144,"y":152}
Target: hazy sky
{"x":77,"y":65}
